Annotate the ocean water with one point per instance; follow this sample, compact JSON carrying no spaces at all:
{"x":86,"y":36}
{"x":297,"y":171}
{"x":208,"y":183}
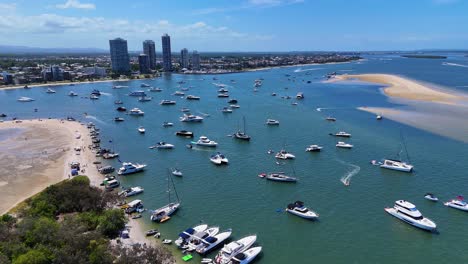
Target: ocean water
{"x":353,"y":227}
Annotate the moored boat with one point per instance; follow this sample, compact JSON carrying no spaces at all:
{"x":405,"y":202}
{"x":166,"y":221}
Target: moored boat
{"x":458,"y":203}
{"x":408,"y":213}
{"x":298,"y":208}
{"x":129,"y":168}
{"x":230,"y":250}
{"x":205,"y":142}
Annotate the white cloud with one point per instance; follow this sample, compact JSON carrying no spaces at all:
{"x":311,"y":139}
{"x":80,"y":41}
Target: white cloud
{"x":76,"y":4}
{"x":7,"y":7}
{"x":249,"y":4}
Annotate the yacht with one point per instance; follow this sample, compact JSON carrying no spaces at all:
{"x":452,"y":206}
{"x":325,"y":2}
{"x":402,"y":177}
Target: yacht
{"x":341,"y":134}
{"x":177,"y":172}
{"x":141,"y":129}
{"x":164,"y":145}
{"x":96,"y":92}
{"x":396,"y":165}
{"x":408,"y":213}
{"x":246,"y":256}
{"x":119,"y":86}
{"x":233,"y":248}
{"x":233,"y":101}
{"x":278,"y":176}
{"x":223,"y":90}
{"x":195,"y":241}
{"x":137,"y":112}
{"x":163,"y":214}
{"x":235,"y":106}
{"x":211,"y":242}
{"x":342,"y":144}
{"x":242,"y":135}
{"x":205,"y":142}
{"x":118,"y":102}
{"x":191,"y":118}
{"x":145,"y":99}
{"x":223,"y":95}
{"x":192,"y":97}
{"x":168,"y":124}
{"x":93,"y":97}
{"x":179,"y":93}
{"x":50,"y":90}
{"x":189,"y":232}
{"x":226,"y":110}
{"x":272,"y":122}
{"x":184,"y":133}
{"x":300,"y":210}
{"x":129,"y":168}
{"x":119,"y":119}
{"x":185,"y":110}
{"x":329,"y":118}
{"x":121,"y":109}
{"x":137,"y":93}
{"x":458,"y":203}
{"x":157,"y":89}
{"x":72,"y":93}
{"x":167,"y":102}
{"x":131,"y":191}
{"x":283,"y":154}
{"x":431,"y":197}
{"x":219,"y":159}
{"x":144,"y":85}
{"x":314,"y":148}
{"x":300,"y":96}
{"x":25,"y":99}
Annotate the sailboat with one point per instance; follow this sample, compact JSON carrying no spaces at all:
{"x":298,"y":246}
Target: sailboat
{"x":398,"y":164}
{"x":242,"y":134}
{"x":164,"y":213}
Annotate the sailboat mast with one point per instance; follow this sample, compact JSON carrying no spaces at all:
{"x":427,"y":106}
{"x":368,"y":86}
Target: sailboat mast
{"x":245,"y":131}
{"x":168,"y":190}
{"x":175,"y":191}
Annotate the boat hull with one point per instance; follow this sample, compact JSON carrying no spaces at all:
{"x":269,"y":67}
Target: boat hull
{"x":414,"y":223}
{"x":383,"y":166}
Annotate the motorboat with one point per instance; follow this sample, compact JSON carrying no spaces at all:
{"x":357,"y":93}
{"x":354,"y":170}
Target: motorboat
{"x":314,"y":148}
{"x":211,"y":242}
{"x":96,"y":92}
{"x":205,"y":142}
{"x":137,"y":216}
{"x":167,"y":102}
{"x":189,"y":232}
{"x":342,"y":144}
{"x":191,"y":118}
{"x":118,"y":102}
{"x":167,"y":241}
{"x":164,"y":145}
{"x":206,"y":261}
{"x":136,"y":112}
{"x":458,"y":203}
{"x":106,"y":170}
{"x":145,"y":99}
{"x":300,"y":95}
{"x":119,"y":119}
{"x":25,"y":99}
{"x":157,"y":89}
{"x":139,"y":93}
{"x":129,"y":168}
{"x":329,"y":118}
{"x":184,"y":133}
{"x":234,"y":106}
{"x":431,"y":197}
{"x":341,"y":134}
{"x":121,"y":109}
{"x":223,"y":95}
{"x":283,"y":154}
{"x":219,"y":159}
{"x":119,"y":86}
{"x":233,"y":248}
{"x":233,"y":101}
{"x":93,"y":97}
{"x":192,"y":97}
{"x":179,"y":93}
{"x":223,"y":90}
{"x":164,"y":213}
{"x":378,"y":117}
{"x":278,"y":176}
{"x":298,"y":208}
{"x":177,"y":172}
{"x":185,"y":110}
{"x":168,"y":124}
{"x":396,"y":165}
{"x":151,"y":232}
{"x":272,"y":122}
{"x":131,"y":191}
{"x":226,"y":110}
{"x":50,"y":91}
{"x":185,"y":89}
{"x":408,"y":213}
{"x":144,"y":85}
{"x":195,"y":240}
{"x":141,"y":129}
{"x":246,"y":256}
{"x":72,"y":93}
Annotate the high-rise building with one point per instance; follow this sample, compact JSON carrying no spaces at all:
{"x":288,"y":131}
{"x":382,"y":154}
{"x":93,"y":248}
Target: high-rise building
{"x":184,"y":59}
{"x":195,"y":60}
{"x":149,"y":48}
{"x":143,"y":61}
{"x":166,"y":50}
{"x":119,"y":55}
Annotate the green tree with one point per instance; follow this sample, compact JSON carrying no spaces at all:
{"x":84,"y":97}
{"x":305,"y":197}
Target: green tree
{"x":32,"y":257}
{"x":112,"y":222}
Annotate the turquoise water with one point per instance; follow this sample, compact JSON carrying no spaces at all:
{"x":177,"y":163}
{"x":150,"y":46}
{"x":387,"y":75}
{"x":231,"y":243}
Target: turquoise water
{"x":353,"y":227}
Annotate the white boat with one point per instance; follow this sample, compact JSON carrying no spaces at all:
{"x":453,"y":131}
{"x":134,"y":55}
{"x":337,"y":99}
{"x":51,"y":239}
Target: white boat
{"x":223,"y":95}
{"x":164,"y":145}
{"x":431,"y":197}
{"x":283,"y":154}
{"x":211,"y":242}
{"x":246,"y":256}
{"x":119,"y":86}
{"x":179,"y":93}
{"x":341,"y":134}
{"x":194,"y":242}
{"x":234,"y":248}
{"x":300,"y":210}
{"x":458,"y":203}
{"x":129,"y":168}
{"x":192,"y":97}
{"x":136,"y":112}
{"x":167,"y":102}
{"x":93,"y":97}
{"x":177,"y":172}
{"x":205,"y":142}
{"x":396,"y":165}
{"x":49,"y":90}
{"x":379,"y":117}
{"x":157,"y":89}
{"x":145,"y":99}
{"x":300,"y":95}
{"x":141,"y":129}
{"x":206,"y":261}
{"x":25,"y":99}
{"x":164,"y":213}
{"x":272,"y":122}
{"x":314,"y":148}
{"x":144,"y":85}
{"x":191,"y":118}
{"x":226,"y":110}
{"x":329,"y":118}
{"x":234,"y":106}
{"x":278,"y":176}
{"x":185,"y":110}
{"x":408,"y":213}
{"x":223,"y":90}
{"x":131,"y":191}
{"x":189,"y":232}
{"x":137,"y":93}
{"x":167,"y":241}
{"x":342,"y":144}
{"x":167,"y":124}
{"x":219,"y":159}
{"x":72,"y":93}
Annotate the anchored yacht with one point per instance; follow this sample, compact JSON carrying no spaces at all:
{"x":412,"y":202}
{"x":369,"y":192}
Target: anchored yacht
{"x":283,"y":154}
{"x":191,"y":118}
{"x":314,"y":148}
{"x":167,"y":102}
{"x":189,"y":232}
{"x":234,"y":248}
{"x":131,"y":191}
{"x":25,"y":99}
{"x":272,"y":122}
{"x":408,"y":213}
{"x":342,"y":144}
{"x":246,"y":256}
{"x":277,"y":176}
{"x":219,"y":159}
{"x":136,"y":112}
{"x":129,"y":168}
{"x":300,"y":210}
{"x":205,"y":142}
{"x":458,"y":203}
{"x":396,"y":165}
{"x":211,"y":242}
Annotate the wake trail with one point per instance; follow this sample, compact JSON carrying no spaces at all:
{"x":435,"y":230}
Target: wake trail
{"x":95,"y":119}
{"x":301,"y":70}
{"x":353,"y":170}
{"x":454,"y":64}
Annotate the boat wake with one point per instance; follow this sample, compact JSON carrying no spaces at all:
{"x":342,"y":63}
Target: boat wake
{"x":301,"y":70}
{"x":454,"y":64}
{"x":354,"y":169}
{"x":204,"y":114}
{"x":95,"y":119}
{"x":106,"y":94}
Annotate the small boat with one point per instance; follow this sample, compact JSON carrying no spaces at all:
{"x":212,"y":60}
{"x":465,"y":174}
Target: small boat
{"x":137,"y":93}
{"x":129,"y":168}
{"x":141,"y":129}
{"x":168,"y":124}
{"x":211,"y":242}
{"x":167,"y":102}
{"x":300,"y":95}
{"x":96,"y":92}
{"x":246,"y":256}
{"x":273,"y":94}
{"x":206,"y":261}
{"x":396,"y":165}
{"x":184,"y":133}
{"x":164,"y":145}
{"x":379,"y":117}
{"x":144,"y":85}
{"x":223,"y":90}
{"x":119,"y":86}
{"x":408,"y":213}
{"x":458,"y":203}
{"x":226,"y":110}
{"x":278,"y":176}
{"x":314,"y":148}
{"x":205,"y":142}
{"x":177,"y":172}
{"x":151,"y":232}
{"x":235,"y":106}
{"x":341,"y":134}
{"x":179,"y":93}
{"x":157,"y":89}
{"x":329,"y":118}
{"x":121,"y":109}
{"x":219,"y":159}
{"x":72,"y":93}
{"x":272,"y":122}
{"x":283,"y":154}
{"x":230,"y":250}
{"x":93,"y":97}
{"x":192,"y":97}
{"x":167,"y":241}
{"x":136,"y":112}
{"x":132,"y":191}
{"x":185,"y":110}
{"x":50,"y":91}
{"x":431,"y":197}
{"x":191,"y":118}
{"x":118,"y":102}
{"x":119,"y":119}
{"x":25,"y":99}
{"x":223,"y":95}
{"x":298,"y":208}
{"x":232,"y":101}
{"x":145,"y":99}
{"x":342,"y":144}
{"x":137,"y":216}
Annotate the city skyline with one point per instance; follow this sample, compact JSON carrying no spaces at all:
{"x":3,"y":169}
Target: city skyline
{"x":247,"y":25}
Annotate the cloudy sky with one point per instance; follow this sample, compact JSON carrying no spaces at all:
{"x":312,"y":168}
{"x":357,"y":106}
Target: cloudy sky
{"x":244,"y":25}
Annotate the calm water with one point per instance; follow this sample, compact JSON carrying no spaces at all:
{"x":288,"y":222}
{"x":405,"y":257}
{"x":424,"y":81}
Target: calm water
{"x":353,"y":227}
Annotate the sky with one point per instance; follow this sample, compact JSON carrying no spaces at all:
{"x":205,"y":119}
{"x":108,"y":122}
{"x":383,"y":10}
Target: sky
{"x":243,"y":25}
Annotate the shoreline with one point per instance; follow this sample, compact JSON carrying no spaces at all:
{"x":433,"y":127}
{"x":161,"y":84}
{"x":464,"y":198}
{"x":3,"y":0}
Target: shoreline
{"x":63,"y":83}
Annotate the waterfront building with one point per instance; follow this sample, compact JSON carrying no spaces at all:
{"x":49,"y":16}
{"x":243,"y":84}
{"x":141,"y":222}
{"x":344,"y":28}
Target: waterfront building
{"x":143,"y":61}
{"x":149,"y":48}
{"x":119,"y":55}
{"x":184,"y":59}
{"x":166,"y":50}
{"x":195,"y":60}
{"x":95,"y":71}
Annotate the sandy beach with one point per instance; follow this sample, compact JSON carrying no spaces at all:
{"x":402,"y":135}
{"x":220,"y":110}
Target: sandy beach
{"x":403,"y":88}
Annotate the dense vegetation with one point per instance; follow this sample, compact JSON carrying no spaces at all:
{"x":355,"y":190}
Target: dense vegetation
{"x":70,"y":222}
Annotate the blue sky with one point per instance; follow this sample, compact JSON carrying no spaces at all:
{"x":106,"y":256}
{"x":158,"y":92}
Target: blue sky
{"x":244,"y":25}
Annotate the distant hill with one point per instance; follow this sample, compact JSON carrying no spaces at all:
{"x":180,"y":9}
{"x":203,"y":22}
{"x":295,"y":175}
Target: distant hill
{"x":4,"y":49}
